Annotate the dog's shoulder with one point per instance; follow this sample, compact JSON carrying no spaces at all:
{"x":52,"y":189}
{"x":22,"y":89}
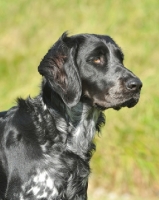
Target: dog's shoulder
{"x":19,"y":125}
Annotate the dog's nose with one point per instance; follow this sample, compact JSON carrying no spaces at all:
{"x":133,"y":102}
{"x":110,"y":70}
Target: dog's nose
{"x":134,"y":84}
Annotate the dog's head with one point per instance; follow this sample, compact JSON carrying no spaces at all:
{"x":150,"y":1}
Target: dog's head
{"x":90,"y":68}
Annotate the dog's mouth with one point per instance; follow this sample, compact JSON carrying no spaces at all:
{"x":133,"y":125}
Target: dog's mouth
{"x":129,"y":103}
{"x":117,"y":106}
{"x":115,"y":103}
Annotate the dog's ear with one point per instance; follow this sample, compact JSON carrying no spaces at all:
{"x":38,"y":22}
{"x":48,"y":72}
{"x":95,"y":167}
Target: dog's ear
{"x":59,"y":67}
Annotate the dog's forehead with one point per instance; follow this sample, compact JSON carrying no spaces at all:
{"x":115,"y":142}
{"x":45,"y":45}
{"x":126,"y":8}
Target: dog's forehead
{"x":97,"y":38}
{"x":93,"y":40}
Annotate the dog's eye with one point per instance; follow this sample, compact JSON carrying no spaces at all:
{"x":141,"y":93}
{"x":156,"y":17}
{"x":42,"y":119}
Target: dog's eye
{"x":99,"y":60}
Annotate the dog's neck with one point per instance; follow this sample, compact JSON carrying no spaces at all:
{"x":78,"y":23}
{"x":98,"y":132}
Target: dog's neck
{"x":76,"y":126}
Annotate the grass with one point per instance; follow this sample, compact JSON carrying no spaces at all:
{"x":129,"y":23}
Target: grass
{"x":127,"y":156}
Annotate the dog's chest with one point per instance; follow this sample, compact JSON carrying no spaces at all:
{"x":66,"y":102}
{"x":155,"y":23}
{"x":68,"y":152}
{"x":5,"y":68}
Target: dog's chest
{"x":57,"y":177}
{"x":40,"y":186}
{"x":64,"y":169}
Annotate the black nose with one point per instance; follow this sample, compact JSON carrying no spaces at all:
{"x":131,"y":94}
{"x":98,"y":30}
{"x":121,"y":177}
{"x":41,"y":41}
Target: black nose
{"x":134,"y":84}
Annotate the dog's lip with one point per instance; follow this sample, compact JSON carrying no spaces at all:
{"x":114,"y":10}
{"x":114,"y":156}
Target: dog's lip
{"x":131,"y":102}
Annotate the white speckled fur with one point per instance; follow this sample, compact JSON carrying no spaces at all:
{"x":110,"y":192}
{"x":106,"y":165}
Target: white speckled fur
{"x":39,"y":186}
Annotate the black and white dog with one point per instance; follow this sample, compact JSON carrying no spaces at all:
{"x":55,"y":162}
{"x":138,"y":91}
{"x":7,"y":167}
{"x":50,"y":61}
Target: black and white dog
{"x":46,"y":143}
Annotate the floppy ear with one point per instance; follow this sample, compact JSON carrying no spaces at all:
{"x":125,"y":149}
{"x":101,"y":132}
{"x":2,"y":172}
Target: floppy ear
{"x":60,"y":69}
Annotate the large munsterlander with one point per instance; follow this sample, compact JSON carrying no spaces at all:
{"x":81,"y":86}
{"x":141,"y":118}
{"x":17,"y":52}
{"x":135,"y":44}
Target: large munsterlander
{"x":46,"y":143}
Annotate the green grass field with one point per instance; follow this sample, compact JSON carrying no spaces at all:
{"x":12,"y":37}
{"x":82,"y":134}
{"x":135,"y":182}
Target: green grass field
{"x":126,"y":163}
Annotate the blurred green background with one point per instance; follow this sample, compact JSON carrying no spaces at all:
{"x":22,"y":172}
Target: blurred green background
{"x":126,"y":163}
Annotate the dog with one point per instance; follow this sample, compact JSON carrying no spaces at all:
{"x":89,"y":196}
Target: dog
{"x":46,"y":142}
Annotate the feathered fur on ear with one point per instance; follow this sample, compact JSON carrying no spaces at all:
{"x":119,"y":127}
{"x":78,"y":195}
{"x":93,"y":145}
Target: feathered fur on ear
{"x":60,"y":69}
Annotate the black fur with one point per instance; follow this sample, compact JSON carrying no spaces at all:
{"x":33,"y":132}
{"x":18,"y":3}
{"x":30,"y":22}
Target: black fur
{"x":46,"y":143}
